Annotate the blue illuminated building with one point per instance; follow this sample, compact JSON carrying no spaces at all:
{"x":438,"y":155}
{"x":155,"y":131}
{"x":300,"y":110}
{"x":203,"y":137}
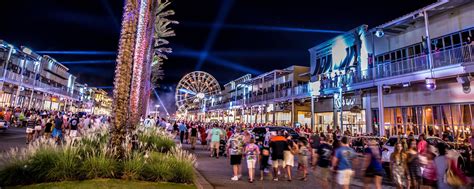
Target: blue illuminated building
{"x":411,"y":75}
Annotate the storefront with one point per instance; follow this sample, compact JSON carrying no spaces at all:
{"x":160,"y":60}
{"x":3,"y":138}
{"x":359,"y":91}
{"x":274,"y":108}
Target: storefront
{"x":328,"y":117}
{"x":448,"y":109}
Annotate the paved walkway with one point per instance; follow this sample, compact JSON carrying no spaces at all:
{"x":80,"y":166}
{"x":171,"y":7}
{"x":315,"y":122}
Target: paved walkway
{"x":219,"y":171}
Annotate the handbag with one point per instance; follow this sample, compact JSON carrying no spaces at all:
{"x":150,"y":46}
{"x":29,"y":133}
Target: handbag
{"x":451,"y":178}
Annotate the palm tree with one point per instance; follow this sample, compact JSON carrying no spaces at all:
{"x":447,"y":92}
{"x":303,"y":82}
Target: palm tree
{"x":122,"y":79}
{"x":139,"y":61}
{"x":162,"y":31}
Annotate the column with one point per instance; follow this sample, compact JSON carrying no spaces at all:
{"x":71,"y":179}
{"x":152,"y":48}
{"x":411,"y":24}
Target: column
{"x":293,"y":119}
{"x":381,"y":110}
{"x":334,"y":107}
{"x":312,"y":114}
{"x":368,"y":114}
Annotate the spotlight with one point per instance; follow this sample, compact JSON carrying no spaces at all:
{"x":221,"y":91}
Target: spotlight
{"x":430,"y":84}
{"x":387,"y":89}
{"x":465,"y":82}
{"x":406,"y":84}
{"x":379,"y":33}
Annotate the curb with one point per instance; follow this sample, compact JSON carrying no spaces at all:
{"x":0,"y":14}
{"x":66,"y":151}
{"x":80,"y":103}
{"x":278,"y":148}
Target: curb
{"x":201,"y":182}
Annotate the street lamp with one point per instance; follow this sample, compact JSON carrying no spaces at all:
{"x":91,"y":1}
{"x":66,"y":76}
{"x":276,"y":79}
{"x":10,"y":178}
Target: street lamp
{"x":156,"y":110}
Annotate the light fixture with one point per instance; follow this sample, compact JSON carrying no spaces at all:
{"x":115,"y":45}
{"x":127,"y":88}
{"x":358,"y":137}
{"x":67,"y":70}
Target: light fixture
{"x":379,"y":33}
{"x":430,"y":84}
{"x":406,"y":84}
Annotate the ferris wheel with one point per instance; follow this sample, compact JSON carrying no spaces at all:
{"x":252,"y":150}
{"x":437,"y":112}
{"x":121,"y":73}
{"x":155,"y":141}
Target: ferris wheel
{"x":194,"y":89}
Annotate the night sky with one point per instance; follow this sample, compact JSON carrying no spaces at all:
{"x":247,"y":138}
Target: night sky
{"x":243,"y":44}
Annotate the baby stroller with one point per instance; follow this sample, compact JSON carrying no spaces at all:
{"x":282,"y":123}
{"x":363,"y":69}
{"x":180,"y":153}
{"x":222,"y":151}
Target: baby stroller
{"x":222,"y":148}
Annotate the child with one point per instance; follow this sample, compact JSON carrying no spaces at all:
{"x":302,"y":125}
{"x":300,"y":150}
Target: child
{"x":263,"y":158}
{"x":251,"y":152}
{"x":303,"y":158}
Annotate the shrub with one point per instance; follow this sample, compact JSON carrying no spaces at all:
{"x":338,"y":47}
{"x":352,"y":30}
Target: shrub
{"x":168,"y":168}
{"x":133,"y":166}
{"x":41,"y":162}
{"x":15,"y":173}
{"x":155,"y":140}
{"x":99,"y":165}
{"x":67,"y":166}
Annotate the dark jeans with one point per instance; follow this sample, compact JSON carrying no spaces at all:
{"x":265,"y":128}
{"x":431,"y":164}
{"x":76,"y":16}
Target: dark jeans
{"x":181,"y":136}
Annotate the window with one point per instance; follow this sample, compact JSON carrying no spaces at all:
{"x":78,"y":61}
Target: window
{"x":464,"y":36}
{"x":456,"y":40}
{"x":399,"y":54}
{"x":392,"y":56}
{"x":411,"y":51}
{"x":439,"y":43}
{"x":404,"y":53}
{"x":386,"y":57}
{"x":417,"y":49}
{"x":447,"y":41}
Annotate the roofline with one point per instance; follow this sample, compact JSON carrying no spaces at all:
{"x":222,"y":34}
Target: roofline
{"x":410,"y":15}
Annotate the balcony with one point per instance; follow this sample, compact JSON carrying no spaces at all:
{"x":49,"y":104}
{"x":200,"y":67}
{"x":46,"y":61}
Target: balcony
{"x":29,"y":82}
{"x":446,"y":58}
{"x":301,"y":91}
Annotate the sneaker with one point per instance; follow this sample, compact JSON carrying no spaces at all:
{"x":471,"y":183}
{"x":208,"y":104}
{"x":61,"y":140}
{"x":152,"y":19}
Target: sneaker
{"x":239,"y":176}
{"x":275,"y":179}
{"x":235,"y":178}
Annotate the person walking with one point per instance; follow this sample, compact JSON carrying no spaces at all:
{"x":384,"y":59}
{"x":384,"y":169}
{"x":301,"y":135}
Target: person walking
{"x":373,"y":169}
{"x":263,"y":158}
{"x":252,"y":151}
{"x":182,"y":130}
{"x":315,"y":142}
{"x":235,"y":147}
{"x":303,"y":156}
{"x":323,"y":160}
{"x":414,"y":171}
{"x":289,"y":153}
{"x":216,"y":134}
{"x":30,"y":129}
{"x":277,"y":146}
{"x":193,"y":138}
{"x":73,"y":126}
{"x":48,"y":128}
{"x":343,"y":160}
{"x":398,"y":167}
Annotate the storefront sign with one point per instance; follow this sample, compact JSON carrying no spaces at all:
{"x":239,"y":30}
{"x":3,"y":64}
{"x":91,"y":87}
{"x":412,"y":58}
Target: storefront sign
{"x":346,"y":101}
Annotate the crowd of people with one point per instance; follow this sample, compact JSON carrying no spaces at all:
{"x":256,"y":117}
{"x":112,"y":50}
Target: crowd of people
{"x":51,"y":124}
{"x":331,"y":157}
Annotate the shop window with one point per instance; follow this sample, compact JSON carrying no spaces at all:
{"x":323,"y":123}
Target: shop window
{"x":466,"y":115}
{"x":456,"y":114}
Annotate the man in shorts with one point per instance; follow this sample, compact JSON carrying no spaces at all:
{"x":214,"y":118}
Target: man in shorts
{"x":215,"y":140}
{"x":343,"y":161}
{"x":277,"y":146}
{"x":74,"y":122}
{"x":323,"y":159}
{"x":235,"y":147}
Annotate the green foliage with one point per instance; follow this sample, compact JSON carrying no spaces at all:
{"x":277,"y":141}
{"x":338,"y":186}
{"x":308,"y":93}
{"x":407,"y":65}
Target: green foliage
{"x":133,"y":167}
{"x":15,"y":173}
{"x":166,"y":167}
{"x":98,"y":165}
{"x":66,"y":167}
{"x":155,"y":140}
{"x":157,"y":159}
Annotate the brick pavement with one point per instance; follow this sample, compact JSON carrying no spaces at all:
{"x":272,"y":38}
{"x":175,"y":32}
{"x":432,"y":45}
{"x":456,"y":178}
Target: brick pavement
{"x":219,"y":171}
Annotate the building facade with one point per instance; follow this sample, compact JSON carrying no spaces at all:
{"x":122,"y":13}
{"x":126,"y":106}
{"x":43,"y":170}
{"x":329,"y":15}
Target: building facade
{"x":409,"y":75}
{"x":33,"y":81}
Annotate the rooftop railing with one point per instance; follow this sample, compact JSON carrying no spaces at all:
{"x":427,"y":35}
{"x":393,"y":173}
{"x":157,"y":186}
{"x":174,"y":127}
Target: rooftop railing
{"x":443,"y":58}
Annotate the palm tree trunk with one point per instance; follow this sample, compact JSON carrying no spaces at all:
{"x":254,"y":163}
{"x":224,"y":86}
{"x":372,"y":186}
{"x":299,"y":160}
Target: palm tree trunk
{"x":122,"y":79}
{"x":145,"y":78}
{"x":141,"y":47}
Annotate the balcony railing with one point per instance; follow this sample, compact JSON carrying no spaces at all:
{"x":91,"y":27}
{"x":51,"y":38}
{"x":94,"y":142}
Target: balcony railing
{"x":30,"y":82}
{"x":298,"y":91}
{"x":444,"y":58}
